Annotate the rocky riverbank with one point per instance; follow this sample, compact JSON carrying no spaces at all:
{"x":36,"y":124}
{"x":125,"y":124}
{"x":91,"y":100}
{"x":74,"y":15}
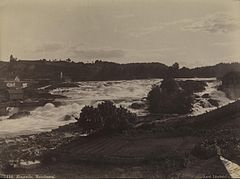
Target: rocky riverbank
{"x":159,"y":149}
{"x":15,"y":151}
{"x":35,"y":96}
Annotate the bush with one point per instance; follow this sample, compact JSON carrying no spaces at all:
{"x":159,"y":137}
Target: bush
{"x":231,"y":79}
{"x":169,"y":98}
{"x":191,"y":86}
{"x":105,"y":118}
{"x":204,"y":150}
{"x":231,"y":85}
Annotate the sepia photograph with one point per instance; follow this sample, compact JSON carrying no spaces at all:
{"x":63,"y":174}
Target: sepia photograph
{"x":119,"y":89}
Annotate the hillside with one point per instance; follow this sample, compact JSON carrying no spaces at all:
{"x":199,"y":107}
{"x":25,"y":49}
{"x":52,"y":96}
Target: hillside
{"x":101,"y":70}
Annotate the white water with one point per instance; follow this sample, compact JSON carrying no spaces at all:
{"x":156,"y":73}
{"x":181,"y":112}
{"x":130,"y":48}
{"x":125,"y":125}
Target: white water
{"x":41,"y":119}
{"x":91,"y":93}
{"x":122,"y":93}
{"x":215,"y":94}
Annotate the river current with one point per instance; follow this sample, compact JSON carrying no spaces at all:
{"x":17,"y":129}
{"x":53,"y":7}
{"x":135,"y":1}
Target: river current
{"x":122,"y":93}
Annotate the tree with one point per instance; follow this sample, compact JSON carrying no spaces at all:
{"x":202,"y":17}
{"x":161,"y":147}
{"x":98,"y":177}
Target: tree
{"x":175,"y":66}
{"x":169,"y":98}
{"x":68,"y":60}
{"x":231,"y":85}
{"x":105,"y":118}
{"x":170,"y":85}
{"x":231,"y":79}
{"x":12,"y":59}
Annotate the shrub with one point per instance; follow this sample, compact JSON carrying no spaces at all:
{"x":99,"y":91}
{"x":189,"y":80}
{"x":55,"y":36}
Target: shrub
{"x":204,"y":150}
{"x":169,"y":98}
{"x":105,"y":118}
{"x":231,"y":85}
{"x":231,"y":79}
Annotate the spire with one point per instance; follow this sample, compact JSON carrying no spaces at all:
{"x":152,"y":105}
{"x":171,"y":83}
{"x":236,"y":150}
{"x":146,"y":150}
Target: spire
{"x":12,"y":58}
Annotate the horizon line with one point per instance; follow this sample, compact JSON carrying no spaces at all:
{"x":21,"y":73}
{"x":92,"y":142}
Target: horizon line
{"x":107,"y":61}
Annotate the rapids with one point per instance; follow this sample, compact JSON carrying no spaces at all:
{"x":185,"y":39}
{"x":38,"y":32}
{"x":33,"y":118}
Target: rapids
{"x":122,"y":93}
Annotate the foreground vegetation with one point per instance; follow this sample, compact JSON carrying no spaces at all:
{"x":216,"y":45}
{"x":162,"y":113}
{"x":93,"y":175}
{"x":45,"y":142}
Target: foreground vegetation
{"x":165,"y":147}
{"x":105,"y":118}
{"x":231,"y":84}
{"x":173,"y":97}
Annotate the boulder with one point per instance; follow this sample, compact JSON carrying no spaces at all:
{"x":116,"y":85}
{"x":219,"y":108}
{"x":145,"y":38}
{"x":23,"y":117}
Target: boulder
{"x":137,"y":105}
{"x":192,"y":86}
{"x":67,"y":117}
{"x":19,"y":115}
{"x":206,"y":95}
{"x":213,"y":102}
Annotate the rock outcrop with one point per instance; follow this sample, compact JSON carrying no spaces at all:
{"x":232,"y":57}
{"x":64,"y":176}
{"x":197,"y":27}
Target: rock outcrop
{"x":231,"y":85}
{"x":19,"y":115}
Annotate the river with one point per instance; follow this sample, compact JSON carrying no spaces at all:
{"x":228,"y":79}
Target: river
{"x":122,"y":93}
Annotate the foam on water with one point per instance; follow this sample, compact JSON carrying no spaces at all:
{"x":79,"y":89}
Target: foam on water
{"x":41,"y":119}
{"x":202,"y":105}
{"x":112,"y":90}
{"x":89,"y":93}
{"x":122,"y":93}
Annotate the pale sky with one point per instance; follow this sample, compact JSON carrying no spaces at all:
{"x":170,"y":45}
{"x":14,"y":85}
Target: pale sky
{"x":191,"y":32}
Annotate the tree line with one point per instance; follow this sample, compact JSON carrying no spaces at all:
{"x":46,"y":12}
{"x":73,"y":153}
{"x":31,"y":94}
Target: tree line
{"x":102,"y":70}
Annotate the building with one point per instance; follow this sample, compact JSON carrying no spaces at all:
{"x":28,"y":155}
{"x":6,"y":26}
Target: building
{"x":16,"y":83}
{"x":15,"y":89}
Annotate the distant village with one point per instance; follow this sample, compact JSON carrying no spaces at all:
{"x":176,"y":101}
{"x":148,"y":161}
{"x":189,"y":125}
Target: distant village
{"x":10,"y":91}
{"x":16,"y":92}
